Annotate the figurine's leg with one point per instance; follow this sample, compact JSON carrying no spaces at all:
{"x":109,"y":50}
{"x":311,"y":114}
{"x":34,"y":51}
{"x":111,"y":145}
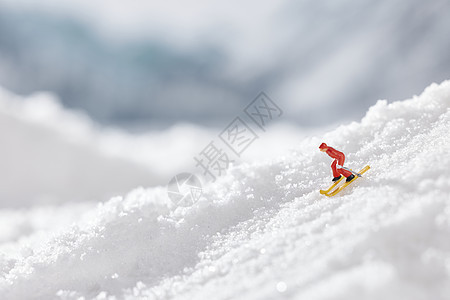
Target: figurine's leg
{"x":344,"y":172}
{"x":335,"y":171}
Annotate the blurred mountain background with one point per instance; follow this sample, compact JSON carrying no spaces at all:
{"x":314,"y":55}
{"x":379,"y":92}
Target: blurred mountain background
{"x":149,"y":64}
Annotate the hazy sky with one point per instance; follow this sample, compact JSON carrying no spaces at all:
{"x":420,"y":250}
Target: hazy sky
{"x":203,"y":61}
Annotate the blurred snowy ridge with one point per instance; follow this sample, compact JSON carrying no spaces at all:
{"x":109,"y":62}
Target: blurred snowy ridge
{"x":63,"y":156}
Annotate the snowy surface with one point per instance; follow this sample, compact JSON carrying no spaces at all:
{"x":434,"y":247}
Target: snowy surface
{"x":262,"y":231}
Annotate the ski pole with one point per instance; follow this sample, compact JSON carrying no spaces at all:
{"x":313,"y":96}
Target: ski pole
{"x":357,"y":174}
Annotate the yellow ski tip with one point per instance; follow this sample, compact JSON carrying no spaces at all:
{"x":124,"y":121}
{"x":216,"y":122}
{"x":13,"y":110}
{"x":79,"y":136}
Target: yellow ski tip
{"x":364,"y":169}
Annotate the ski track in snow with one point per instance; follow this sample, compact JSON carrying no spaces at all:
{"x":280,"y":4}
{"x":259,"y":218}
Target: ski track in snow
{"x":263,"y":231}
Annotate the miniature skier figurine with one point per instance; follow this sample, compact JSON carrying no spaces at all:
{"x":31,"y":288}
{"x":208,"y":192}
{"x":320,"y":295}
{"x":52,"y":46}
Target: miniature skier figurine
{"x":338,"y":163}
{"x":339,"y":171}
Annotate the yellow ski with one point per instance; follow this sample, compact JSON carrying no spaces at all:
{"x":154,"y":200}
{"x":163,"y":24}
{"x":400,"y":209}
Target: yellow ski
{"x":337,"y":190}
{"x":324,"y":192}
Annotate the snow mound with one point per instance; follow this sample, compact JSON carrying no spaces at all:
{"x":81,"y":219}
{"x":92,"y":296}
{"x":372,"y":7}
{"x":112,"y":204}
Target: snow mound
{"x":55,"y":154}
{"x":263,"y":231}
{"x":62,"y":156}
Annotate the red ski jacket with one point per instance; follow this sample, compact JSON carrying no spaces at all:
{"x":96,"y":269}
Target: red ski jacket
{"x":338,"y":155}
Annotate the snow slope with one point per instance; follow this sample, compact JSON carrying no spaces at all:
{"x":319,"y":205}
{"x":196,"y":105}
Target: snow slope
{"x":262,"y":231}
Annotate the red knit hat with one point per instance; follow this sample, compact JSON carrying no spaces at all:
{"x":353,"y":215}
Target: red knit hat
{"x":323,"y":146}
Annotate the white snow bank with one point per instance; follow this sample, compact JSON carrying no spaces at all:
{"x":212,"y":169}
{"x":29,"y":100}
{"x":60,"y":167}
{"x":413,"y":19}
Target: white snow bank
{"x":263,"y":231}
{"x":62,"y":156}
{"x":50,"y":152}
